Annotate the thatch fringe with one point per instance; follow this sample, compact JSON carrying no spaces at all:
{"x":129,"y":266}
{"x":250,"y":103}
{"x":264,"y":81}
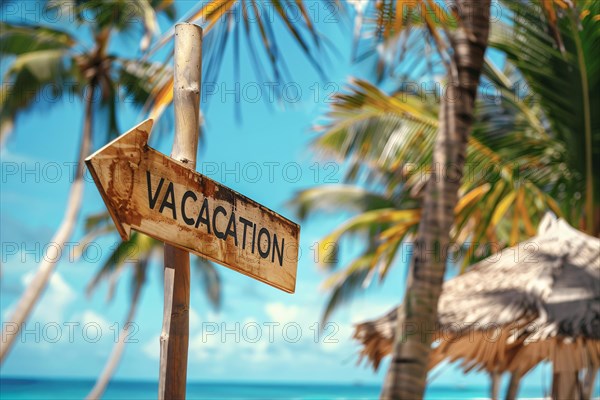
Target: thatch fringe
{"x":539,"y":300}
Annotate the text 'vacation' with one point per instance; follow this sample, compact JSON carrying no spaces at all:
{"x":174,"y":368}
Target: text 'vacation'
{"x":243,"y":232}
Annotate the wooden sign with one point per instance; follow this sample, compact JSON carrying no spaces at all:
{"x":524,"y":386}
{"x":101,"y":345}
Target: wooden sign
{"x":154,"y":194}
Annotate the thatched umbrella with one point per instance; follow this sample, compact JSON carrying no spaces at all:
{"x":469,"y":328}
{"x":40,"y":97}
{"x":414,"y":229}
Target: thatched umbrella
{"x":539,"y":300}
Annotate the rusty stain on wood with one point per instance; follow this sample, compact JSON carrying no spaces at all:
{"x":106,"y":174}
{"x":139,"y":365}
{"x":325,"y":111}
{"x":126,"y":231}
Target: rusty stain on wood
{"x":157,"y":195}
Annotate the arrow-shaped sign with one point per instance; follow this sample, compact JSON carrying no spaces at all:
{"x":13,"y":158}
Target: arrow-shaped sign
{"x":154,"y":194}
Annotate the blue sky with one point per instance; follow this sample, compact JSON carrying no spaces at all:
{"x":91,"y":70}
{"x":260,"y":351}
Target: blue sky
{"x":272,"y":139}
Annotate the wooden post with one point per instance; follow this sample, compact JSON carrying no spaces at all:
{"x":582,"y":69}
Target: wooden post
{"x":495,"y":378}
{"x":186,"y":99}
{"x":513,"y":385}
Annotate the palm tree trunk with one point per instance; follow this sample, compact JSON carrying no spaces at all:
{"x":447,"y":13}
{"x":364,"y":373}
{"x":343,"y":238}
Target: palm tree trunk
{"x":117,"y":352}
{"x":407,"y":373}
{"x":37,"y":286}
{"x":513,"y":386}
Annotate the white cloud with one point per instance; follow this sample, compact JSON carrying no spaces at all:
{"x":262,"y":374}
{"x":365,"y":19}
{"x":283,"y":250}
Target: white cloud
{"x":152,"y":348}
{"x":51,"y":306}
{"x":9,"y":156}
{"x":194,"y":320}
{"x":222,"y":340}
{"x":369,"y":311}
{"x":282,"y":313}
{"x":89,"y":316}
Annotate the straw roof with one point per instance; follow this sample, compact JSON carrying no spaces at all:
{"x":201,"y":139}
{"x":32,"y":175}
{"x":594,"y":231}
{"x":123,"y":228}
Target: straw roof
{"x":538,"y":300}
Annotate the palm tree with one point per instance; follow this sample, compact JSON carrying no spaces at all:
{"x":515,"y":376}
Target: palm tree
{"x":407,"y":373}
{"x":555,"y":52}
{"x":221,"y":20}
{"x":228,"y":22}
{"x":389,"y":136}
{"x":47,"y":57}
{"x":518,"y":167}
{"x":388,"y":141}
{"x":44,"y":58}
{"x":51,"y":56}
{"x":137,"y":253}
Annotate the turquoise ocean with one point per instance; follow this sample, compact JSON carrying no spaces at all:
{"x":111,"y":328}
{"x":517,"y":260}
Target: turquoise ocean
{"x":77,"y":389}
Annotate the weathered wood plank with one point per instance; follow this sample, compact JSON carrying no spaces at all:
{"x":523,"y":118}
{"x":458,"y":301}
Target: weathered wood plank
{"x":159,"y":196}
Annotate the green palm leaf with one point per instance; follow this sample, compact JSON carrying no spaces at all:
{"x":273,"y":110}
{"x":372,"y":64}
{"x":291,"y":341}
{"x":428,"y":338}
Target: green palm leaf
{"x":332,"y":198}
{"x":138,"y":252}
{"x":42,"y":63}
{"x":567,"y":88}
{"x":515,"y":165}
{"x":225,"y":21}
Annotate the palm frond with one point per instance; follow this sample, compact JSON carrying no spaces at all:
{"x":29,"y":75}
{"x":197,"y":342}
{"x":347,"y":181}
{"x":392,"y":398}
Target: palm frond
{"x":381,"y":132}
{"x":560,"y":66}
{"x":211,"y":281}
{"x":138,"y":248}
{"x":42,"y":61}
{"x":224,"y":21}
{"x":345,"y":284}
{"x":516,"y":167}
{"x":17,"y":39}
{"x":116,"y":15}
{"x":137,"y":252}
{"x":140,"y":78}
{"x":375,"y":225}
{"x":398,"y":34}
{"x":334,"y":198}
